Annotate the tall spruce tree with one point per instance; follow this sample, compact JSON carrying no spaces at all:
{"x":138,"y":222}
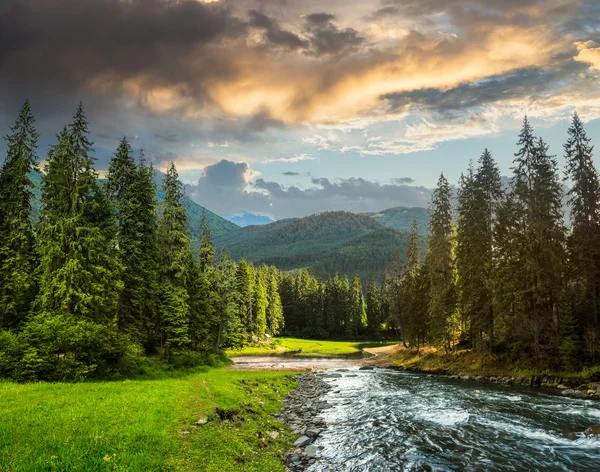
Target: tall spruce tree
{"x":440,"y":261}
{"x":174,"y":241}
{"x":78,"y":274}
{"x":261,"y":302}
{"x":409,"y":288}
{"x":584,"y":240}
{"x":478,"y":198}
{"x":144,"y":190}
{"x":243,"y":328}
{"x":358,"y":316}
{"x":123,"y":189}
{"x":374,"y":310}
{"x":17,"y":240}
{"x":226,"y":329}
{"x":274,"y":308}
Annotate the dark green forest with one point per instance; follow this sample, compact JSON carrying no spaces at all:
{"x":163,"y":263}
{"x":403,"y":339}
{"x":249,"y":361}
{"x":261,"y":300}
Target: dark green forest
{"x":102,"y":274}
{"x":107,"y":273}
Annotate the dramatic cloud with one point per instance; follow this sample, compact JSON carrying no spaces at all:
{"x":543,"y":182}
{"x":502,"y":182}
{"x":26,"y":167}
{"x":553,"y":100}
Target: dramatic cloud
{"x":317,"y":83}
{"x":273,"y":32}
{"x":227,"y":188}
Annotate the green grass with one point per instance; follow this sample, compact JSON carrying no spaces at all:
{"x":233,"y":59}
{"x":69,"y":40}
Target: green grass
{"x":137,"y":424}
{"x":307,"y":348}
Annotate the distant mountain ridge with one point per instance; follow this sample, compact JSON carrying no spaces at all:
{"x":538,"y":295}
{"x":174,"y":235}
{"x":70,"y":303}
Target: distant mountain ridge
{"x":325,"y":243}
{"x":248,"y":218}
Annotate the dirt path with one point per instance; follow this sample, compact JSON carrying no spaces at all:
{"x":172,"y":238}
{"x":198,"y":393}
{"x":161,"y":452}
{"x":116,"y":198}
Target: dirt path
{"x":380,"y":354}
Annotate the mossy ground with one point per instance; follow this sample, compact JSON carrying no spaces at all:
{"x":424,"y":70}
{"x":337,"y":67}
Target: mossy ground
{"x":140,"y":425}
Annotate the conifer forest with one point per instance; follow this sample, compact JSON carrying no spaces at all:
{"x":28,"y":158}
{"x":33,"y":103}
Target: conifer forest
{"x":108,"y":275}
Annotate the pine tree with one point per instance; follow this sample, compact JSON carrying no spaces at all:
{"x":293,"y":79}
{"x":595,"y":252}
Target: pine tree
{"x":122,"y":183}
{"x":17,"y":240}
{"x":226,"y":329}
{"x":412,"y":251}
{"x":374,"y":310}
{"x":144,"y":190}
{"x":174,"y":241}
{"x":584,"y":240}
{"x":78,"y":274}
{"x":244,"y":323}
{"x":358,"y":317}
{"x":440,"y":261}
{"x":275,"y":318}
{"x":207,"y":248}
{"x":478,"y":198}
{"x":203,"y":291}
{"x":260,"y":303}
{"x":413,"y":319}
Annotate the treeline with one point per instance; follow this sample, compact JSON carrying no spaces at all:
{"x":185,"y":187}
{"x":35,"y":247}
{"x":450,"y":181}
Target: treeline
{"x":107,"y":275}
{"x":503,"y":273}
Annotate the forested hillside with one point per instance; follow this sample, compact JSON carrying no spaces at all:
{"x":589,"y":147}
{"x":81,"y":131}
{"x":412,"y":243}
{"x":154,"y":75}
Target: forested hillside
{"x":327,"y":243}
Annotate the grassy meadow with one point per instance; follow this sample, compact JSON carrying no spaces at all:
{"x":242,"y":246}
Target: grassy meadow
{"x":307,"y":348}
{"x":146,"y":425}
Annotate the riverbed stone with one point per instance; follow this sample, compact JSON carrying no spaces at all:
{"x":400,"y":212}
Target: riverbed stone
{"x":302,"y":409}
{"x":569,"y":392}
{"x":311,"y":451}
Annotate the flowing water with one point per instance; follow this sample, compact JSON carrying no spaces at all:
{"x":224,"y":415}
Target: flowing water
{"x":386,"y":420}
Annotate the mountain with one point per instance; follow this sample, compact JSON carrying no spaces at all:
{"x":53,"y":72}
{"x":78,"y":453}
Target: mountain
{"x":218,"y":226}
{"x":402,"y":217}
{"x":325,"y":243}
{"x":248,"y":218}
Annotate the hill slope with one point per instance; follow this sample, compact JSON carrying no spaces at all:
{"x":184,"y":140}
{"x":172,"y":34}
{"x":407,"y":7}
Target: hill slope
{"x":218,"y":225}
{"x":325,"y":243}
{"x":402,"y":217}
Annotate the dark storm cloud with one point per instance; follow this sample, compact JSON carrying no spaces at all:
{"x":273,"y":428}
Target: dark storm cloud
{"x":319,"y":18}
{"x":274,"y":34}
{"x":67,"y":45}
{"x":326,"y":38}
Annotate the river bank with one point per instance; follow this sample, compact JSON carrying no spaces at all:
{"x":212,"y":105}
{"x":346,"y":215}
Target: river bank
{"x":467,"y":365}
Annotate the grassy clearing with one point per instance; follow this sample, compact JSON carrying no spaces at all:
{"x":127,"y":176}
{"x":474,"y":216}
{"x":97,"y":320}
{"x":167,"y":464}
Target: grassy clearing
{"x":466,"y":362}
{"x":308,"y":348}
{"x":141,"y":425}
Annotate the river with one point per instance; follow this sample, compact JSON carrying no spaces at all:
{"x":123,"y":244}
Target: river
{"x":387,"y":420}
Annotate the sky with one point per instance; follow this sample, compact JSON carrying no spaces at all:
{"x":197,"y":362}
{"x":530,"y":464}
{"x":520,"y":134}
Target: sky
{"x":293,"y":107}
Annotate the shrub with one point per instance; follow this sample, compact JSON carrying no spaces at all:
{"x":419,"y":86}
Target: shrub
{"x":60,"y":348}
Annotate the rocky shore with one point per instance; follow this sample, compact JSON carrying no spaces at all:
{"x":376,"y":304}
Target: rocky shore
{"x":302,"y":408}
{"x":564,"y":386}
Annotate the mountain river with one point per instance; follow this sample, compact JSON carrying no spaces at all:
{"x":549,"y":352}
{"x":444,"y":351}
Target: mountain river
{"x":387,"y":420}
